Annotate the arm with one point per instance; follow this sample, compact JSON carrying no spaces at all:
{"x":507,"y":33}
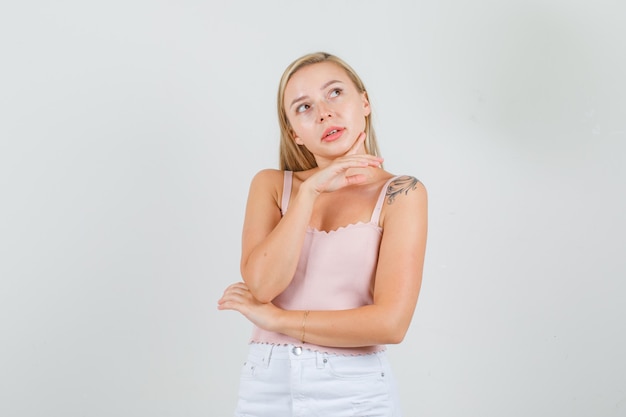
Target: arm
{"x":397,"y":285}
{"x":270,"y":244}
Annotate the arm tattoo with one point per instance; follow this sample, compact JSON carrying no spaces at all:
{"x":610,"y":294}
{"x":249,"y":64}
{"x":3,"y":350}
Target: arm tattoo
{"x":400,"y":185}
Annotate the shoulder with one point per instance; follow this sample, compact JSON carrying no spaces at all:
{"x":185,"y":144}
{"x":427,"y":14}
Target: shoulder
{"x":405,"y":199}
{"x":267,"y":182}
{"x":268,"y":174}
{"x":404,"y":187}
{"x":268,"y":178}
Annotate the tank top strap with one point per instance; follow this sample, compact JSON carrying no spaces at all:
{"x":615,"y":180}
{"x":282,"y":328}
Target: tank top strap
{"x":287,"y":180}
{"x":381,"y":199}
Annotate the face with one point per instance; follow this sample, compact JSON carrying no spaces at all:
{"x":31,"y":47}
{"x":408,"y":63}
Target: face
{"x":325,"y":110}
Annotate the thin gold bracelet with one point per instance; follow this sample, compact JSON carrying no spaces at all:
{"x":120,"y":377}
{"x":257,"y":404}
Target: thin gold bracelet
{"x":306,"y":313}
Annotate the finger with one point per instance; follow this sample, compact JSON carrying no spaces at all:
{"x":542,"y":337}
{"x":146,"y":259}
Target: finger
{"x":236,"y":286}
{"x":237,"y":292}
{"x":232,"y":299}
{"x":231,"y":305}
{"x":357,"y":144}
{"x":357,"y":159}
{"x":356,"y":179}
{"x":237,"y":289}
{"x":360,"y":161}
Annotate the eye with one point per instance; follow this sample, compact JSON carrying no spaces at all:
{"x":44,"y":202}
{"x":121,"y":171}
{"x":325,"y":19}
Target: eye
{"x":302,"y":108}
{"x":335,"y":92}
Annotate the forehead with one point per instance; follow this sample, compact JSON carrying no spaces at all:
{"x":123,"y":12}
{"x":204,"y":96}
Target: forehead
{"x":313,"y":77}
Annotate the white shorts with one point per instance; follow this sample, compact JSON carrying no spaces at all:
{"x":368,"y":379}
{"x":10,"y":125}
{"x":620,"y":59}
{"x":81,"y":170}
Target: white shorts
{"x":288,"y":381}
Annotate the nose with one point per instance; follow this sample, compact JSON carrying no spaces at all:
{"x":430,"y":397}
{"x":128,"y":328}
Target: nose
{"x":324,"y":113}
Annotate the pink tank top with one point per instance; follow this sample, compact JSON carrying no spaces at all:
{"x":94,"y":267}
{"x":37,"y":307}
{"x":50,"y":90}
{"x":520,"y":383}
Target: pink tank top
{"x":335,"y":272}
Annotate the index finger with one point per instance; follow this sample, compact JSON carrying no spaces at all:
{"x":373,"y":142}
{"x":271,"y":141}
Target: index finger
{"x":353,"y":150}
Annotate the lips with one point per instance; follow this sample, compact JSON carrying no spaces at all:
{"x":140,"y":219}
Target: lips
{"x":332,"y":133}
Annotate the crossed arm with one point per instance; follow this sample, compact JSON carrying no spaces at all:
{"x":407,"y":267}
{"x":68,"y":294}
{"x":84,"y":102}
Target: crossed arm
{"x":270,"y":251}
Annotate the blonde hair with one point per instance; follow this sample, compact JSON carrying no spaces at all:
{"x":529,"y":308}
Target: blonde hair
{"x":294,"y":157}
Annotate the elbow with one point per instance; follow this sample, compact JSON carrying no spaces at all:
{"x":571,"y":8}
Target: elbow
{"x":264,"y":281}
{"x":395,"y":337}
{"x":261,"y":297}
{"x":259,"y":292}
{"x":394,"y":333}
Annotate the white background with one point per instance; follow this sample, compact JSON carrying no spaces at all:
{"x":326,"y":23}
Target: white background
{"x":129,"y":133}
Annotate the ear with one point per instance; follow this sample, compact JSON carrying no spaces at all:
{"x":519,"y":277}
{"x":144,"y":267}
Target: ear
{"x":295,"y":137}
{"x":366,"y":104}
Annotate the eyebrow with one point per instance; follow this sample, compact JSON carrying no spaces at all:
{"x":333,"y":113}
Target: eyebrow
{"x":321,"y":88}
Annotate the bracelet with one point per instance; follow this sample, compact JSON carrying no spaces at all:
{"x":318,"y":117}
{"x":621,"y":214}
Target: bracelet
{"x":306,"y":313}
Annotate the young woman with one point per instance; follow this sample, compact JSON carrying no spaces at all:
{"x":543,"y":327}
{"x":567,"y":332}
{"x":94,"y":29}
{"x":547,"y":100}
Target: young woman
{"x":332,"y":256}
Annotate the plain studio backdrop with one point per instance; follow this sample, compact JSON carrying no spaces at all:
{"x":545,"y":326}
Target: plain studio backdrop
{"x":130,"y":131}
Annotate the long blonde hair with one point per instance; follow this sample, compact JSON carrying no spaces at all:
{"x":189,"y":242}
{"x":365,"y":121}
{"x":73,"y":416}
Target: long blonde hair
{"x":294,"y":157}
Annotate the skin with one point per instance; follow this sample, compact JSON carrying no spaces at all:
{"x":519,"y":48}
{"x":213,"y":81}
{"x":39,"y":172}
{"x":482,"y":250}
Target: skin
{"x":342,"y":190}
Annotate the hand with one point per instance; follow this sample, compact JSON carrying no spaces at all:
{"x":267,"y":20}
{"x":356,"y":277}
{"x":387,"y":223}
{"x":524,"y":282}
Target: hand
{"x":349,"y":169}
{"x":237,"y":297}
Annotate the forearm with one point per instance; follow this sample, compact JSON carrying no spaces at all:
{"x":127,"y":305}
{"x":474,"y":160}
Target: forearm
{"x":364,"y":326}
{"x":271,"y":265}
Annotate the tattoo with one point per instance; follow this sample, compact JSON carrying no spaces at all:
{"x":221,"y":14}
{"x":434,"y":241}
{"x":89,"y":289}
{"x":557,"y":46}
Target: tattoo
{"x":400,"y":185}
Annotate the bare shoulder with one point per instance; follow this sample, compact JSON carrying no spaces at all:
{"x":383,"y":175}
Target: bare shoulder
{"x":263,"y":206}
{"x":266,"y":185}
{"x":267,"y":180}
{"x":268,"y":175}
{"x":404,"y":187}
{"x":405,"y":198}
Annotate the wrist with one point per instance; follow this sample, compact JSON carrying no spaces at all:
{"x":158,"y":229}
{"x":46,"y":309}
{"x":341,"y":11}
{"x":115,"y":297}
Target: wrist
{"x":288,"y":322}
{"x":307,"y":190}
{"x":277,"y":317}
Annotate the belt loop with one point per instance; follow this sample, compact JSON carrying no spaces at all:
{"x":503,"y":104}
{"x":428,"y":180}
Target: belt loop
{"x":320,"y":360}
{"x":268,"y":355}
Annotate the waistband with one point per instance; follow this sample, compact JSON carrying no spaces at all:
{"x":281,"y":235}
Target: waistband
{"x":265,"y":353}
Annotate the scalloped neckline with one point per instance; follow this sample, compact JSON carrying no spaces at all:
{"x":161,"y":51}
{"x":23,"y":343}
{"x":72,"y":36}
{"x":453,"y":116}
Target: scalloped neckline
{"x":342,"y":228}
